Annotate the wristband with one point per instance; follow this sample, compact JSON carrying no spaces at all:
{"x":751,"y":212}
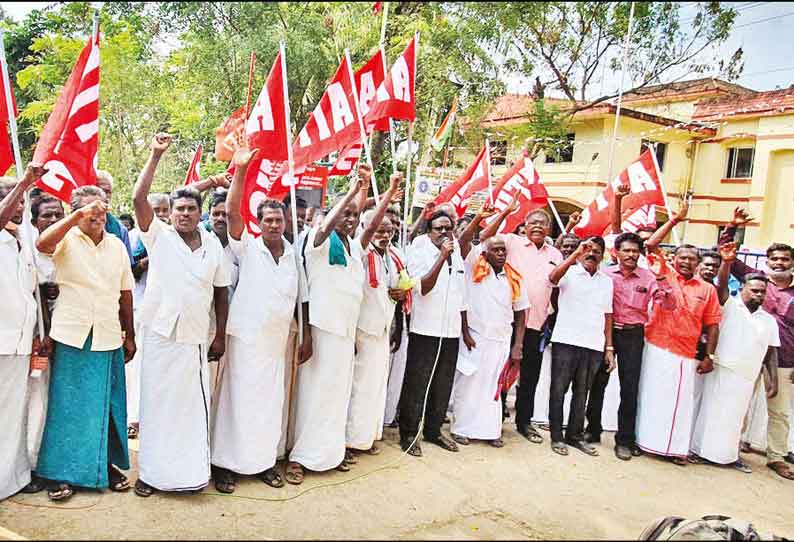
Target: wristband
{"x":610,"y":348}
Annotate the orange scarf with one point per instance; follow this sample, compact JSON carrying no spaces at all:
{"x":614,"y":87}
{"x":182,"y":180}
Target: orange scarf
{"x":482,"y":269}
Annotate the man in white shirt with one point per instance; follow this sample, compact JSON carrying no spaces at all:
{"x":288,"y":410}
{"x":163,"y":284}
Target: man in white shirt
{"x":17,"y":283}
{"x":581,"y":336}
{"x":749,"y":340}
{"x":434,"y":334}
{"x":250,"y":394}
{"x":187,"y":274}
{"x":494,"y":301}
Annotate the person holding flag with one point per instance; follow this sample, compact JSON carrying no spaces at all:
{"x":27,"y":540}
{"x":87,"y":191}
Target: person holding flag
{"x":187,"y":274}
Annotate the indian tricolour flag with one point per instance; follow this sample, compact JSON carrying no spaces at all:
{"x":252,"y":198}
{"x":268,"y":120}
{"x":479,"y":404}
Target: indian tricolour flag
{"x":443,"y":132}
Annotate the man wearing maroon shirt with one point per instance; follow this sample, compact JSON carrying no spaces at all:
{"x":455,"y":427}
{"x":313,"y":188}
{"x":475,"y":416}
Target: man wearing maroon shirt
{"x":779,"y":303}
{"x":634,"y":289}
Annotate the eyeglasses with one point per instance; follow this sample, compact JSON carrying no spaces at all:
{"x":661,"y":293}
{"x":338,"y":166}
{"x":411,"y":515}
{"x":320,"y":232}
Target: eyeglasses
{"x":442,"y":229}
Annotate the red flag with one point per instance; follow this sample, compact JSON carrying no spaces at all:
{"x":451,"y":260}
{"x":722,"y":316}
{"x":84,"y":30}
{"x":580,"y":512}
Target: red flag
{"x":642,"y":177}
{"x":230,"y":135}
{"x":69,"y":143}
{"x":508,"y":376}
{"x":6,"y":152}
{"x":376,"y":7}
{"x":194,"y":171}
{"x":334,"y":122}
{"x":396,"y":96}
{"x":347,"y":159}
{"x":474,"y":179}
{"x":521,"y":179}
{"x":266,"y":127}
{"x":369,"y":78}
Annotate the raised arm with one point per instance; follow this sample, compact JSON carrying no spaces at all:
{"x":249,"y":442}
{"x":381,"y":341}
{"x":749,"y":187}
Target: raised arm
{"x":10,"y":203}
{"x":49,"y":238}
{"x":740,"y":219}
{"x":144,"y":214}
{"x":241,"y":160}
{"x":380,"y":211}
{"x":491,"y":229}
{"x":428,"y":282}
{"x":467,"y":236}
{"x":728,"y":254}
{"x":573,"y":220}
{"x":332,"y":218}
{"x":365,"y":174}
{"x":416,"y":227}
{"x":221,"y":180}
{"x":659,"y":235}
{"x":558,"y":272}
{"x":616,"y":213}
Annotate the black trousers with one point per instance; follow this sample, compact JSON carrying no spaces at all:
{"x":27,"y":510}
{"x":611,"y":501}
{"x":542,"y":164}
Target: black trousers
{"x":628,"y":345}
{"x":421,"y":356}
{"x":577,"y":366}
{"x":531,"y":360}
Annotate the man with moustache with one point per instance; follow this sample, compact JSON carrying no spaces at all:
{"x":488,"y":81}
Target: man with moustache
{"x":779,"y":302}
{"x":635,"y":289}
{"x":667,"y":389}
{"x":435,"y":262}
{"x":534,"y":260}
{"x":748,"y":341}
{"x":582,"y":340}
{"x":113,"y":225}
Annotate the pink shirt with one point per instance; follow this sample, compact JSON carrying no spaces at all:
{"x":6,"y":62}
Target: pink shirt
{"x":634,"y":293}
{"x":534,"y":265}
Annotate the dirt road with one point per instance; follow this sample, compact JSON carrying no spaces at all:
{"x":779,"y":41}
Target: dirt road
{"x":521,"y":491}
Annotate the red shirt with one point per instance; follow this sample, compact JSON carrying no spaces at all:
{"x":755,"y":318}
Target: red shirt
{"x":634,"y":293}
{"x":696,"y":306}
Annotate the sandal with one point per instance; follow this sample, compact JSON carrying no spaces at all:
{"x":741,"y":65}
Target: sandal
{"x":272,"y":478}
{"x":142,"y":489}
{"x":132,"y":431}
{"x":745,"y":447}
{"x":584,"y":447}
{"x":559,"y":448}
{"x":531,"y":434}
{"x":412,"y":448}
{"x":781,"y":469}
{"x":741,"y":466}
{"x":117,"y":481}
{"x":695,"y":459}
{"x":445,"y":443}
{"x":497,"y":443}
{"x":225,"y":481}
{"x":36,"y":484}
{"x":343,"y":467}
{"x":680,"y":461}
{"x":374,"y":450}
{"x":464,"y":441}
{"x":294,"y":473}
{"x":59,"y":491}
{"x":350,"y":457}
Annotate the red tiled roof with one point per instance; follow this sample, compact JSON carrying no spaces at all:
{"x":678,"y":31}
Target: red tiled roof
{"x":769,"y":103}
{"x":680,"y":89}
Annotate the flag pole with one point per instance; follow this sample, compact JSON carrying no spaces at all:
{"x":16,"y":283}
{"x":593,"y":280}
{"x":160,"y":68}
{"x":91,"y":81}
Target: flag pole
{"x":620,"y":94}
{"x":361,"y":126}
{"x":556,"y":216}
{"x":676,"y":240}
{"x":383,"y":24}
{"x":488,"y":169}
{"x":27,"y":225}
{"x":392,"y":136}
{"x":406,"y":210}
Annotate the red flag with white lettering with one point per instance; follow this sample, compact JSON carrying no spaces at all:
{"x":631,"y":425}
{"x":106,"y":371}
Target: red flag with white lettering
{"x":6,"y":152}
{"x":69,"y":143}
{"x":368,"y":78}
{"x":474,"y":179}
{"x":334,"y":122}
{"x":267,"y":125}
{"x":521,"y":179}
{"x":346,"y":160}
{"x":194,"y":171}
{"x":396,"y":96}
{"x":643,"y":179}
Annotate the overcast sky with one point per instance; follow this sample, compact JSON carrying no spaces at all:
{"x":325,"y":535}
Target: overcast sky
{"x":765,"y":31}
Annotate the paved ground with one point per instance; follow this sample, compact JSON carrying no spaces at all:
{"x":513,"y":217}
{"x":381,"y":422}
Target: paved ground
{"x":521,"y":491}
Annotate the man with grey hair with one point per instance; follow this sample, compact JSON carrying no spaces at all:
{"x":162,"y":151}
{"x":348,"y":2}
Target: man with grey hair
{"x":93,"y":334}
{"x":187,"y":275}
{"x":105,"y":181}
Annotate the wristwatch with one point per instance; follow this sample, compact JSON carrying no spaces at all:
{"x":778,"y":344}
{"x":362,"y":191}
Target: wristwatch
{"x":712,"y":357}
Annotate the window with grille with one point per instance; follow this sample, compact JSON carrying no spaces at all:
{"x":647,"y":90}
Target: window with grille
{"x":499,"y":152}
{"x":740,"y":163}
{"x":661,"y":150}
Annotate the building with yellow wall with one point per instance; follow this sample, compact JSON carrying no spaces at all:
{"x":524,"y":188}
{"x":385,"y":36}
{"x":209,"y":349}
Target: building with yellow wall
{"x":725,"y":144}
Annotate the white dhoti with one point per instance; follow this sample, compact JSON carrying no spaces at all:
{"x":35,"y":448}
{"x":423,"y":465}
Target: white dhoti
{"x":132,"y":378}
{"x":476,"y":414}
{"x":250,"y":395}
{"x":287,"y":439}
{"x":14,"y":461}
{"x":666,"y":402}
{"x":368,"y":395}
{"x":396,"y":375}
{"x":38,"y":394}
{"x":324,"y":384}
{"x":174,"y":420}
{"x":718,"y":426}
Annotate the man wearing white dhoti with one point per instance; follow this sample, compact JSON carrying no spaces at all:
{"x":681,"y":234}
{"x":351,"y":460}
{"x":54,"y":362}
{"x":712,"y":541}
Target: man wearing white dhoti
{"x":17,"y":283}
{"x":335,"y":283}
{"x":665,"y":404}
{"x":187,"y":274}
{"x":250,"y":394}
{"x":371,"y":365}
{"x":493,"y":301}
{"x":749,"y":339}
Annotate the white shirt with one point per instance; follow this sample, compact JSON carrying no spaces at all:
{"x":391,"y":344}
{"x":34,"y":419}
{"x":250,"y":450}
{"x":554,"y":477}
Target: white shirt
{"x":436,"y":313}
{"x":264,"y":300}
{"x":489,"y":303}
{"x":17,"y":282}
{"x":583,"y":303}
{"x":745,"y":338}
{"x":335,"y":291}
{"x":377,"y":308}
{"x":180,"y":283}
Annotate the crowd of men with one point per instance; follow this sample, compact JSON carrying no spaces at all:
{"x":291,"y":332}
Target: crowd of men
{"x":183,"y":332}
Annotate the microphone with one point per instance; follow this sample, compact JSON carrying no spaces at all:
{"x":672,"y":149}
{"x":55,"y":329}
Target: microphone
{"x":449,"y":263}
